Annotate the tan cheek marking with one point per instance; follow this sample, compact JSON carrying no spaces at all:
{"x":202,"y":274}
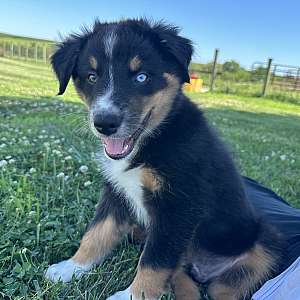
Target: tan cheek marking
{"x":99,"y":241}
{"x":151,"y":180}
{"x":81,"y":94}
{"x":93,"y":62}
{"x":135,"y":64}
{"x":79,"y":91}
{"x":150,"y":283}
{"x":161,"y":101}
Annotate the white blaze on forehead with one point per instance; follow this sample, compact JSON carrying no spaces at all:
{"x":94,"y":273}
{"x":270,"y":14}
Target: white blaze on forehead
{"x":109,"y":42}
{"x":104,"y":101}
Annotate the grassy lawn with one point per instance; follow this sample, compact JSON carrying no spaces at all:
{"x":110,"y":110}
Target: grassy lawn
{"x":47,"y":199}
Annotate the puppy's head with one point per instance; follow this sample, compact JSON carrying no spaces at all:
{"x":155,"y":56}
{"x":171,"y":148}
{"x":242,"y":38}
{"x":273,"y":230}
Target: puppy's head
{"x":128,"y":73}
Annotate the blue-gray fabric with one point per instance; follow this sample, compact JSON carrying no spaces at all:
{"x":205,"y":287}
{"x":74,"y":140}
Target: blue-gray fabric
{"x":276,"y":211}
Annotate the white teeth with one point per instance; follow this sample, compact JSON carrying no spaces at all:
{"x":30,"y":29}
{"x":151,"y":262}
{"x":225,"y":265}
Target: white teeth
{"x":125,"y":148}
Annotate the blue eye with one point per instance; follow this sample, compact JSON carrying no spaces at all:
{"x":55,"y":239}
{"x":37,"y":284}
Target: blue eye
{"x":141,"y":77}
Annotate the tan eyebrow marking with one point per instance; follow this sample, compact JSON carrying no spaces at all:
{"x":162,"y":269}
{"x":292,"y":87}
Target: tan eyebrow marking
{"x":135,"y":63}
{"x":93,"y":62}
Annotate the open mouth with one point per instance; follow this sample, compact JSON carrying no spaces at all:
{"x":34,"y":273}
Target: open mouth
{"x":118,"y":148}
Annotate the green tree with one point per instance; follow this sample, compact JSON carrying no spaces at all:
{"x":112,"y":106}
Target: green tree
{"x":231,"y":66}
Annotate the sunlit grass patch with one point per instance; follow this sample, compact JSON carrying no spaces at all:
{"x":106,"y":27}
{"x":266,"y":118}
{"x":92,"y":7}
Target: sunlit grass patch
{"x":50,"y":181}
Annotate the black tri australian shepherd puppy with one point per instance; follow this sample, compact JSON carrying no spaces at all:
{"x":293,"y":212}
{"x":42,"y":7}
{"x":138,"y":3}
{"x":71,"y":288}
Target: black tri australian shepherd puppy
{"x":165,"y":170}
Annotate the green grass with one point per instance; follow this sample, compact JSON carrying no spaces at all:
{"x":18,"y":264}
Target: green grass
{"x":43,"y":213}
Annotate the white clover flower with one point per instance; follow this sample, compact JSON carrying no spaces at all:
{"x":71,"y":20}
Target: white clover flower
{"x":11,"y":161}
{"x":273,"y":153}
{"x":3,"y":163}
{"x":66,"y":177}
{"x":292,"y":161}
{"x":2,"y":145}
{"x":83,"y":169}
{"x":8,"y":157}
{"x":32,"y":213}
{"x":267,"y":157}
{"x":87,"y":183}
{"x":57,"y":152}
{"x":68,"y":157}
{"x":60,"y":175}
{"x":46,"y":144}
{"x":32,"y":170}
{"x":283,"y":157}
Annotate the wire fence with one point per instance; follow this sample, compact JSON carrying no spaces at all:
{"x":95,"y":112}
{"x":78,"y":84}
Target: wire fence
{"x":263,"y":78}
{"x":282,"y":76}
{"x":26,"y":48}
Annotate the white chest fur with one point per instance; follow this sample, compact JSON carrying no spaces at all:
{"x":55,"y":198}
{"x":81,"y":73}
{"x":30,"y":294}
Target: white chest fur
{"x":127,"y":182}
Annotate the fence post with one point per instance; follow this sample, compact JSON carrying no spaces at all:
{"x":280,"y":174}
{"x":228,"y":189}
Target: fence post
{"x":267,"y":77}
{"x":36,"y":52}
{"x":45,"y":54}
{"x":297,"y":79}
{"x":12,"y":50}
{"x":214,"y":70}
{"x":2,"y":49}
{"x":26,"y":52}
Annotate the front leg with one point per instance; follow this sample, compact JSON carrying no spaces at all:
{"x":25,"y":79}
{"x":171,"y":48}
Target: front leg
{"x":110,"y":225}
{"x":167,"y":240}
{"x":157,"y":266}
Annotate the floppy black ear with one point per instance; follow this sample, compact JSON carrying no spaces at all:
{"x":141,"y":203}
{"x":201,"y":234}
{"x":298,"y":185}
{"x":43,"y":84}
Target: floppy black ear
{"x":179,"y":47}
{"x":64,"y":59}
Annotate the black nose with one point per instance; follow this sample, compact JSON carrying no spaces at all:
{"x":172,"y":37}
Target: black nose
{"x":107,"y":123}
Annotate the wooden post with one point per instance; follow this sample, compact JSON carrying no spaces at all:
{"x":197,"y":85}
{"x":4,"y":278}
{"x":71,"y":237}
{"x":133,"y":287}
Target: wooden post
{"x":2,"y":49}
{"x":267,"y":77}
{"x":214,"y":70}
{"x":297,"y":79}
{"x":45,"y":54}
{"x":35,"y":52}
{"x":26,"y":52}
{"x":12,"y":50}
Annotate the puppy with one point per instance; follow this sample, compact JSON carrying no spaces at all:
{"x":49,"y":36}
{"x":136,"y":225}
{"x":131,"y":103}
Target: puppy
{"x":165,"y":170}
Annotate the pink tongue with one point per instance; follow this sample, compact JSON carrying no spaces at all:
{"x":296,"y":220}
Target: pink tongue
{"x":115,"y":146}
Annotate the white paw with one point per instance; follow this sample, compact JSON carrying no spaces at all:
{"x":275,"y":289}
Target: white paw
{"x":122,"y":295}
{"x":65,"y":270}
